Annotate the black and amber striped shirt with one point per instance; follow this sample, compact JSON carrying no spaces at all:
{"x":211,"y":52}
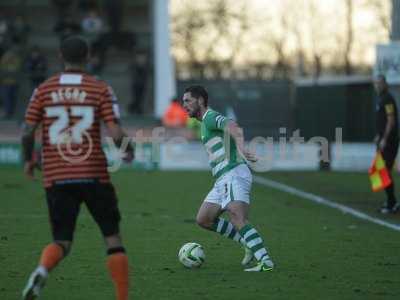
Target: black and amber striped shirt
{"x":70,"y":107}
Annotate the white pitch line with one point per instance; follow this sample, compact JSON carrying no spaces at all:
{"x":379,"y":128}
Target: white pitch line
{"x":320,"y":200}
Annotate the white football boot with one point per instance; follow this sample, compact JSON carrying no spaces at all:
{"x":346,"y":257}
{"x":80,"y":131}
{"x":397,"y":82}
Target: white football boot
{"x":35,"y":283}
{"x":262,"y":266}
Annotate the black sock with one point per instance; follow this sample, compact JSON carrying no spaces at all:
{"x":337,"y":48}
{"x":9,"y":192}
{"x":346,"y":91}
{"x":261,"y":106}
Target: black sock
{"x":391,"y":198}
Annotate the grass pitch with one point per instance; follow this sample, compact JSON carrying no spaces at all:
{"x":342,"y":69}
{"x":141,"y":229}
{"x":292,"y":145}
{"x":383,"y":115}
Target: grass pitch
{"x":319,"y":252}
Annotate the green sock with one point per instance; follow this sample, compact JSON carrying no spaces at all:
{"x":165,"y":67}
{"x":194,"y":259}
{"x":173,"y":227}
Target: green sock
{"x":226,"y":229}
{"x":254,"y":241}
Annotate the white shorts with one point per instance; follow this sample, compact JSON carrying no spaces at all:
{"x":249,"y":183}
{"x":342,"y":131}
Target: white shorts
{"x":235,"y":185}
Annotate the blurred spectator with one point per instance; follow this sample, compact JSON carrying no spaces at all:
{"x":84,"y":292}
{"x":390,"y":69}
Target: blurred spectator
{"x":10,"y":67}
{"x":139,"y":82}
{"x":36,"y":65}
{"x":92,"y":26}
{"x":114,"y":10}
{"x":94,"y":65}
{"x":175,"y":116}
{"x":117,"y":37}
{"x":63,"y":9}
{"x":4,"y":34}
{"x":20,"y":30}
{"x":87,"y":5}
{"x":67,"y":27}
{"x":93,"y":29}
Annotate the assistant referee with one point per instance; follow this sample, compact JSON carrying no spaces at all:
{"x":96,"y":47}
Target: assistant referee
{"x":387,"y":137}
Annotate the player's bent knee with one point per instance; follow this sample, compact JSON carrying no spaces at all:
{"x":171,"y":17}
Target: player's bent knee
{"x":114,"y":244}
{"x":113,"y":241}
{"x":238,"y":223}
{"x":65,"y":245}
{"x":238,"y":220}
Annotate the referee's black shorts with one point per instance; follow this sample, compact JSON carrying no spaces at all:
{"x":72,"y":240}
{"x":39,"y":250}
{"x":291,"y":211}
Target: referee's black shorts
{"x":390,"y":152}
{"x":64,"y":201}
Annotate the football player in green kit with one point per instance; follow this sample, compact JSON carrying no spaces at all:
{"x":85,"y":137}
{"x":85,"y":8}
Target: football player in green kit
{"x":223,"y":140}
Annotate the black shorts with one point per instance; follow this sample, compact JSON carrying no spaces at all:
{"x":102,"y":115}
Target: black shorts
{"x":64,"y":201}
{"x":390,"y":153}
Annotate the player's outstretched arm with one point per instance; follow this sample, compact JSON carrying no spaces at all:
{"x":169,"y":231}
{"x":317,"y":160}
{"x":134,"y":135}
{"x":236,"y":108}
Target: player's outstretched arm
{"x":28,"y":144}
{"x":236,"y":133}
{"x":121,"y":140}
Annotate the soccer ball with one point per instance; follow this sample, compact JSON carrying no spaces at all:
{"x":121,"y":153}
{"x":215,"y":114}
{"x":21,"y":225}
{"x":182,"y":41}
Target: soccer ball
{"x":191,"y":255}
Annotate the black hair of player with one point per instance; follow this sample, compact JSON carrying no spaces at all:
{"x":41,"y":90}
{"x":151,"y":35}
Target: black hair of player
{"x":198,"y":91}
{"x":74,"y":50}
{"x":381,"y":77}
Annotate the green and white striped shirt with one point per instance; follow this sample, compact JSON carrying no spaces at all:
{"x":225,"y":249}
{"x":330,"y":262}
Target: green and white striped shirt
{"x":221,"y":147}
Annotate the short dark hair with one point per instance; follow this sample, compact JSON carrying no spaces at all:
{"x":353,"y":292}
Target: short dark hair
{"x":198,"y":91}
{"x":381,"y":77}
{"x":74,"y":49}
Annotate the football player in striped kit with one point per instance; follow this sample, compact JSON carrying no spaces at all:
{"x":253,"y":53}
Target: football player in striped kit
{"x":70,"y":107}
{"x":223,"y":140}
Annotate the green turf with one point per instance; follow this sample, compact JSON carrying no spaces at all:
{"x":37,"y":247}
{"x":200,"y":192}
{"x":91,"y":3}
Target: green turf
{"x":352,"y":189}
{"x":319,"y":252}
